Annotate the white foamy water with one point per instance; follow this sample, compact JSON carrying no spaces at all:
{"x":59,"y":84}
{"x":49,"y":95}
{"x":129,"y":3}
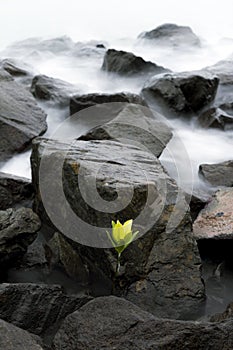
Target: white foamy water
{"x":116,"y":26}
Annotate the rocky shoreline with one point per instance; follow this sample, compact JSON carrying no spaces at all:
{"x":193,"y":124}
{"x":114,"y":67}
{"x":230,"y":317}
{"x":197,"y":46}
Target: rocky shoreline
{"x":59,"y":289}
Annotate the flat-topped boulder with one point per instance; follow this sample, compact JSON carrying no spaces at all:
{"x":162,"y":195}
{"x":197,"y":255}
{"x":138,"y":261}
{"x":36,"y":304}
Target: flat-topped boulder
{"x":133,"y":125}
{"x":106,"y":180}
{"x":215,"y":221}
{"x":80,"y":102}
{"x":184,"y":93}
{"x":50,"y":89}
{"x":14,"y":190}
{"x":220,"y":174}
{"x":126,"y":63}
{"x":21,"y":119}
{"x":170,"y":34}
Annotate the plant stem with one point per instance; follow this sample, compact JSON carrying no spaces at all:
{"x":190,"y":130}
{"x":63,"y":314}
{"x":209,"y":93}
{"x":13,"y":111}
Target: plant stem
{"x":118,"y":264}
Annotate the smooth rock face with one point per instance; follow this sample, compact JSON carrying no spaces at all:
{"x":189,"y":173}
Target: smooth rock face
{"x":113,"y":323}
{"x":161,"y":270}
{"x":21,"y":119}
{"x":37,"y":308}
{"x":182,"y":92}
{"x":18,"y":229}
{"x":220,"y":174}
{"x":14,"y":338}
{"x":80,"y":102}
{"x":172,"y":35}
{"x":132,"y":125}
{"x":216,"y":118}
{"x":216,"y":220}
{"x":14,"y":190}
{"x":51,"y":89}
{"x":126,"y":63}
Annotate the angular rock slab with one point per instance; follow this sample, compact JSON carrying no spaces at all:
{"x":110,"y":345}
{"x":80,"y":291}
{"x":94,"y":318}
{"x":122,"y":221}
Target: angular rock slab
{"x":14,"y":338}
{"x":160,"y":270}
{"x":216,"y":220}
{"x":113,"y":323}
{"x":18,"y":229}
{"x":220,"y":174}
{"x":21,"y":119}
{"x":126,"y":63}
{"x":37,"y":308}
{"x":182,"y":92}
{"x":14,"y":190}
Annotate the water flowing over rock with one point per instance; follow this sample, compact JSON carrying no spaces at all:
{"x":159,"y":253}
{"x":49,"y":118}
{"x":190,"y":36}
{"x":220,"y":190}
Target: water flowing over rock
{"x":172,"y":35}
{"x":21,"y":119}
{"x":161,"y":270}
{"x":14,"y":190}
{"x":12,"y":337}
{"x":126,"y":63}
{"x":119,"y":324}
{"x":50,"y":89}
{"x":215,"y":221}
{"x":220,"y":174}
{"x":16,"y":68}
{"x":37,"y":308}
{"x":18,"y":229}
{"x":185,"y":93}
{"x":216,"y":118}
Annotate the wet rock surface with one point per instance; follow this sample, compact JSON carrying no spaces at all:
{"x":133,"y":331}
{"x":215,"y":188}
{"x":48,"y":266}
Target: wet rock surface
{"x":118,"y":324}
{"x":215,"y":221}
{"x":37,"y":308}
{"x":216,"y":118}
{"x":126,"y":63}
{"x":18,"y":229}
{"x":185,"y":93}
{"x":12,"y":337}
{"x":50,"y":89}
{"x":14,"y":190}
{"x":21,"y":119}
{"x":161,"y":270}
{"x":220,"y":174}
{"x":170,"y":34}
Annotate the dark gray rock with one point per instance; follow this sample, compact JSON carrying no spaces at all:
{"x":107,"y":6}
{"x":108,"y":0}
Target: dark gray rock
{"x":51,"y":89}
{"x":226,"y":315}
{"x":18,"y":229}
{"x":80,"y":102}
{"x":37,"y":308}
{"x":113,"y":323}
{"x":161,"y":270}
{"x":220,"y":174}
{"x":16,"y":68}
{"x":216,"y":118}
{"x":14,"y":190}
{"x":132,"y":125}
{"x":126,"y":63}
{"x":21,"y":119}
{"x":182,"y":92}
{"x":14,"y":338}
{"x":172,"y":35}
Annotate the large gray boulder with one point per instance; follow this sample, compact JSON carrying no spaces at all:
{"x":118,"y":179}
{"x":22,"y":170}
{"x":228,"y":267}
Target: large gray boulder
{"x":80,"y":102}
{"x":215,"y":220}
{"x":37,"y":308}
{"x":18,"y":229}
{"x":14,"y":190}
{"x":161,"y":270}
{"x":184,"y":93}
{"x":133,"y":125}
{"x":126,"y":63}
{"x":113,"y":323}
{"x":14,"y":338}
{"x":21,"y":120}
{"x":170,"y":34}
{"x":54,"y":90}
{"x":220,"y":174}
